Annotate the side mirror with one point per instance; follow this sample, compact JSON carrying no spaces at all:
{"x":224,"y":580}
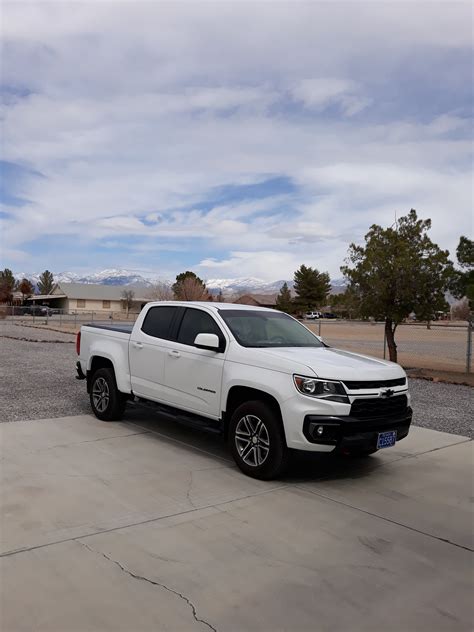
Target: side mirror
{"x":207,"y":341}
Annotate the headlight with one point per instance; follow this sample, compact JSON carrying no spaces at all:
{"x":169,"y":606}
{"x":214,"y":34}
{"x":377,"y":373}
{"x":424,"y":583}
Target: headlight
{"x":322,"y":389}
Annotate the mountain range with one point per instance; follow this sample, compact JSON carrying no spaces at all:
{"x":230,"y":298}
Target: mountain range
{"x":129,"y":277}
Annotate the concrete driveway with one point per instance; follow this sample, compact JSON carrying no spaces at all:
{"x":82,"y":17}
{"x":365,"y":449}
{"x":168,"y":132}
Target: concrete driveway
{"x":143,"y":525}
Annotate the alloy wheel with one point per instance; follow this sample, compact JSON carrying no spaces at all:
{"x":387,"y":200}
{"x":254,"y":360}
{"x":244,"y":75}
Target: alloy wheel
{"x":100,"y":394}
{"x":252,"y":440}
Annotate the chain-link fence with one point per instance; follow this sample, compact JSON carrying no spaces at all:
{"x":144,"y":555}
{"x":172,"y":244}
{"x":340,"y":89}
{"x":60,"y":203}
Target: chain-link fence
{"x":63,"y":319}
{"x":441,"y":347}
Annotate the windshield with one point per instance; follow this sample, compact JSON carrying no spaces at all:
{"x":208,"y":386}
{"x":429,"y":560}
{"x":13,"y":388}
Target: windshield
{"x":267,"y":329}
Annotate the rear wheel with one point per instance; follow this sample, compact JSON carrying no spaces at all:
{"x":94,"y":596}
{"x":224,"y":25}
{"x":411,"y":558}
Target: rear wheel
{"x":107,"y":402}
{"x":257,"y":441}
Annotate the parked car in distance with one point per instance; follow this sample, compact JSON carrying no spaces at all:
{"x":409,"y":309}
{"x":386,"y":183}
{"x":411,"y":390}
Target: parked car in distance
{"x":312,"y":315}
{"x":329,"y":315}
{"x":33,"y":310}
{"x":256,"y":376}
{"x":49,"y":311}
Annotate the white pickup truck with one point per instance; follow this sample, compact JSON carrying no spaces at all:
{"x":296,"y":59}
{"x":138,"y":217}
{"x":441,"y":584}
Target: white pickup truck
{"x":256,"y":375}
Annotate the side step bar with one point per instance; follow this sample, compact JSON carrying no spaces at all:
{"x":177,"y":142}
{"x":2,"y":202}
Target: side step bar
{"x":197,"y":422}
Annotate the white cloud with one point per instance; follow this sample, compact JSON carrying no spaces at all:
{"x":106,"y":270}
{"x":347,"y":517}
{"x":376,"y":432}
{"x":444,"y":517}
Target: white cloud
{"x":143,"y":110}
{"x":322,"y":92}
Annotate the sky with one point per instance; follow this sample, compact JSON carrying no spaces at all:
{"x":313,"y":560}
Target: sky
{"x":234,"y":139}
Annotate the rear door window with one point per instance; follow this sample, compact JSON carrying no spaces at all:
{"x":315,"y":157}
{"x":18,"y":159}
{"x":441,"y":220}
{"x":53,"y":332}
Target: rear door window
{"x":159,"y":322}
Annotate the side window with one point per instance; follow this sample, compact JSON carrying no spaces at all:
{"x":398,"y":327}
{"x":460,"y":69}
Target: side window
{"x":158,"y":322}
{"x":197,"y":322}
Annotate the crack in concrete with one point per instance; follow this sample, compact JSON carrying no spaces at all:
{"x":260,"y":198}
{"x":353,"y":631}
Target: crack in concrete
{"x":190,"y":486}
{"x":67,"y":445}
{"x":141,"y":522}
{"x":153,"y":582}
{"x":374,"y":515}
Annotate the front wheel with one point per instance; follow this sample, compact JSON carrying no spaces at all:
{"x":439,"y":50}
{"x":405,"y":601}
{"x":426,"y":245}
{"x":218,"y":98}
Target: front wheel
{"x":107,"y":402}
{"x":257,"y":441}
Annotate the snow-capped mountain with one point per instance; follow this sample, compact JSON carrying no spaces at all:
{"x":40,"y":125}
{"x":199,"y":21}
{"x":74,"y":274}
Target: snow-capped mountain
{"x":228,"y":287}
{"x":115,"y":277}
{"x":249,"y":284}
{"x":104,"y":277}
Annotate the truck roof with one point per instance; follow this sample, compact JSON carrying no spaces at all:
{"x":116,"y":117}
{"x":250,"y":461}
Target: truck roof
{"x":211,"y":305}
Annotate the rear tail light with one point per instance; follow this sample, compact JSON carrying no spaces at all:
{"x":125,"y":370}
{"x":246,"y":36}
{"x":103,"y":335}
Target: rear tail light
{"x":78,"y":343}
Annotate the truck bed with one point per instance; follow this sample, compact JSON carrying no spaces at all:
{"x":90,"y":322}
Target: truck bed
{"x":124,"y":328}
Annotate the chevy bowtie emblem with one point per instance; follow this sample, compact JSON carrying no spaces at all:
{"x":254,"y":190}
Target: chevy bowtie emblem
{"x":388,"y":393}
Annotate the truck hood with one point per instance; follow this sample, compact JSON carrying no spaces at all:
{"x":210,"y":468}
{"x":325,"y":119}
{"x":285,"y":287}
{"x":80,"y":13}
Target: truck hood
{"x":335,"y":364}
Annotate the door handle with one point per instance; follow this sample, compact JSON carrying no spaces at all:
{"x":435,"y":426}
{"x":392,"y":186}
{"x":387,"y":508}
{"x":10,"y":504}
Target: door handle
{"x":174,"y":354}
{"x":137,"y":345}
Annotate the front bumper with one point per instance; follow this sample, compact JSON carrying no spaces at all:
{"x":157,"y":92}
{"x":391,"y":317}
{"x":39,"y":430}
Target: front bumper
{"x":349,"y":434}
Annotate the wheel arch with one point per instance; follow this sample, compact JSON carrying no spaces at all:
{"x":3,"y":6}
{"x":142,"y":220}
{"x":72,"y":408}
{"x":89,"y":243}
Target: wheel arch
{"x":98,"y":362}
{"x":238,"y":395}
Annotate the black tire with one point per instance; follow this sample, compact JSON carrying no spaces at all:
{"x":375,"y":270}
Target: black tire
{"x":257,"y":441}
{"x":107,"y":402}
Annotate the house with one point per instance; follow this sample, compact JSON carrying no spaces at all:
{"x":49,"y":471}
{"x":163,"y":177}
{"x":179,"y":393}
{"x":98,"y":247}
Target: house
{"x":89,"y":297}
{"x":258,"y":300}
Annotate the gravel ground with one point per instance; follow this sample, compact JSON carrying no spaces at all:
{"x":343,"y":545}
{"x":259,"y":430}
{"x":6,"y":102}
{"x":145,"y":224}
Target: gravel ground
{"x":38,"y":378}
{"x":444,"y":407}
{"x":38,"y":382}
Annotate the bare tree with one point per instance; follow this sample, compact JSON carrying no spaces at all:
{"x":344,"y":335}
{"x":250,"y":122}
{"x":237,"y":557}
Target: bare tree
{"x":127,"y":299}
{"x":460,"y":310}
{"x":160,"y":291}
{"x":191,"y":289}
{"x":26,"y":288}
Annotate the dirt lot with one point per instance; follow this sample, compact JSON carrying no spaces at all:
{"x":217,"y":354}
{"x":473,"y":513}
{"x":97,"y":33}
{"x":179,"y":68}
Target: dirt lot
{"x":441,"y":347}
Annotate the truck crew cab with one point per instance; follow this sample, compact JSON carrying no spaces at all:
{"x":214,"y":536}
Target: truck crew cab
{"x":257,"y":376}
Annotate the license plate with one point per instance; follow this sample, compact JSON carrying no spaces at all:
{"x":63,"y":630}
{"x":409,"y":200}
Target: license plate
{"x":386,"y":439}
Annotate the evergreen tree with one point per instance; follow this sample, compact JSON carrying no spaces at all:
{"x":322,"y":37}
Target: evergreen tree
{"x":46,"y":282}
{"x":399,"y":271}
{"x":284,"y":301}
{"x":462,"y":283}
{"x":7,"y":286}
{"x":311,"y":287}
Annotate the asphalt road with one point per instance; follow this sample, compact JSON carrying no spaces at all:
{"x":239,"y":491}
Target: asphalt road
{"x":38,"y":382}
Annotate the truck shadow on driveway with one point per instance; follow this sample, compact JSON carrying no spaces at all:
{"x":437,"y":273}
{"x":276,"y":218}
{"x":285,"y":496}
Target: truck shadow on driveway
{"x":303,"y":466}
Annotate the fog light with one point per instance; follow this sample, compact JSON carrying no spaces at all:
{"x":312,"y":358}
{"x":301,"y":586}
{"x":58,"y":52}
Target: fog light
{"x":320,"y":430}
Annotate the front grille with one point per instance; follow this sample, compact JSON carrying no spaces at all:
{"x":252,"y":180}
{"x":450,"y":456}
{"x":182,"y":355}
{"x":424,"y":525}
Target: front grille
{"x":353,"y":386}
{"x":380,"y":408}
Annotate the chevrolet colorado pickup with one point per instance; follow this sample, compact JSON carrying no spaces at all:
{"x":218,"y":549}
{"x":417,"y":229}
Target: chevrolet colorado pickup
{"x":255,"y":375}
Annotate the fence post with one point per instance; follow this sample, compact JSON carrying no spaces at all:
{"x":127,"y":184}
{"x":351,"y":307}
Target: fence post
{"x":75,"y":320}
{"x":469,"y":347}
{"x":319,"y":326}
{"x":60,"y":319}
{"x":384,"y":344}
